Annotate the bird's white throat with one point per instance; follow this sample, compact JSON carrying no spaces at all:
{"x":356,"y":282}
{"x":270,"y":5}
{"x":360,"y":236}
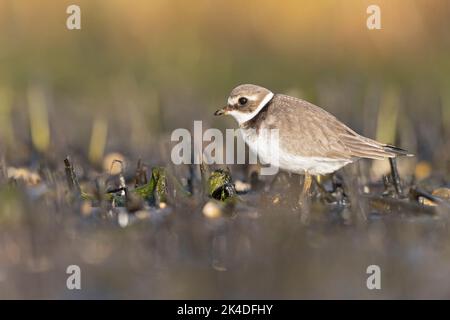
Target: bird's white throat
{"x":242,"y":117}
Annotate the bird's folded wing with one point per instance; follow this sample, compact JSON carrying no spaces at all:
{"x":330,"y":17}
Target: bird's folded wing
{"x":320,"y":134}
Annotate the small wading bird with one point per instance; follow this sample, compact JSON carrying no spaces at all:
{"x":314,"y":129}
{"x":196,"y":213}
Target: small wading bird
{"x":311,"y":141}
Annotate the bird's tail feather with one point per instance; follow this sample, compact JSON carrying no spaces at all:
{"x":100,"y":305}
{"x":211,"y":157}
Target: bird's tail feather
{"x":397,"y":151}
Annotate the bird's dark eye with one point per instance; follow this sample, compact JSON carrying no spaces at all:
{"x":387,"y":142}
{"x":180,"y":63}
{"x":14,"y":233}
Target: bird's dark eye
{"x":242,"y":101}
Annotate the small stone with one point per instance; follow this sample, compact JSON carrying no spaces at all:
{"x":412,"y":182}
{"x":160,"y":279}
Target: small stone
{"x":242,"y":186}
{"x":29,"y":177}
{"x":123,"y":219}
{"x":162,"y":205}
{"x":427,"y":202}
{"x":212,"y":210}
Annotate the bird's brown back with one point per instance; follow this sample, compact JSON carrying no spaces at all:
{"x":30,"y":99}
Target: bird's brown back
{"x":309,"y":131}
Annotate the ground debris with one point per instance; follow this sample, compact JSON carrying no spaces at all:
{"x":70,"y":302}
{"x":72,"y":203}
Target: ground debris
{"x":155,"y":191}
{"x":220,"y":185}
{"x":71,"y":177}
{"x":439,"y":196}
{"x":385,"y":205}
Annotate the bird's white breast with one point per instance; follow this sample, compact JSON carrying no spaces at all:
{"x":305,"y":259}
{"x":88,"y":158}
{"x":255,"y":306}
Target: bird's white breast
{"x":271,"y":152}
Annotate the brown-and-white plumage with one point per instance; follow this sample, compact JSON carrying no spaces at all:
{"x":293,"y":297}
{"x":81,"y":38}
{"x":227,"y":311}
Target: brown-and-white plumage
{"x":311,"y":140}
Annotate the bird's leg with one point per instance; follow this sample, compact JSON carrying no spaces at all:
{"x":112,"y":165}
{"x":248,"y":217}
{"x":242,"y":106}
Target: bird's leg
{"x":306,"y":187}
{"x":307,"y":184}
{"x":396,"y":177}
{"x":318,"y":178}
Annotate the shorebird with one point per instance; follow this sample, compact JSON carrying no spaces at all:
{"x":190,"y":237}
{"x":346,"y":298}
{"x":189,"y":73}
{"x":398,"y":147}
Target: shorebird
{"x":311,"y":141}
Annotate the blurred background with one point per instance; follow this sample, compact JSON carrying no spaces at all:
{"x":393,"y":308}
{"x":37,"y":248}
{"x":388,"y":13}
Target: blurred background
{"x":138,"y":70}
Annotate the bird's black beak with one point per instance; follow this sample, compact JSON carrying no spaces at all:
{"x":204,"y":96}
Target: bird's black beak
{"x":221,"y":111}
